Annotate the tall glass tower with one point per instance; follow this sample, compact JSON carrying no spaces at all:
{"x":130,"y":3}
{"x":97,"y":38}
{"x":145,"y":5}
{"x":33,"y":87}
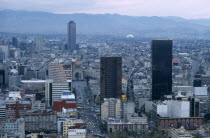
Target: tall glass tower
{"x":161,"y":68}
{"x":71,"y":40}
{"x":111,"y":77}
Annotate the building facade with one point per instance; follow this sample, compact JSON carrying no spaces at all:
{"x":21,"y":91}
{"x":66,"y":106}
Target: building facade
{"x":161,"y":68}
{"x":111,"y":77}
{"x":71,"y":39}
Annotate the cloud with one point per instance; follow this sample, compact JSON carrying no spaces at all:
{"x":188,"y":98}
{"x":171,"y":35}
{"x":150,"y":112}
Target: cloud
{"x":182,"y":8}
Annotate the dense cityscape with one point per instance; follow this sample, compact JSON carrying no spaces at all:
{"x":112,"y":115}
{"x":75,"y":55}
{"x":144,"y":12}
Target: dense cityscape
{"x":103,"y":86}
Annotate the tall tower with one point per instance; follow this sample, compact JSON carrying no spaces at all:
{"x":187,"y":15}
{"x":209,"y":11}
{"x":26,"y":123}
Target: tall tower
{"x":71,"y":40}
{"x":111,"y":77}
{"x":161,"y":68}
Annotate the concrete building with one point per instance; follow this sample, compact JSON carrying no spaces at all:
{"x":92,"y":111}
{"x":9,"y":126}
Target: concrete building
{"x":4,"y":52}
{"x":179,"y":133}
{"x":17,"y":109}
{"x":136,"y":125}
{"x":68,"y":96}
{"x":189,"y":123}
{"x":54,"y":90}
{"x":77,"y":70}
{"x":60,"y":71}
{"x":41,"y":122}
{"x":38,"y":105}
{"x":56,"y":72}
{"x":68,"y":123}
{"x":77,"y":133}
{"x":111,"y":108}
{"x":13,"y":128}
{"x":128,"y":109}
{"x":14,"y":79}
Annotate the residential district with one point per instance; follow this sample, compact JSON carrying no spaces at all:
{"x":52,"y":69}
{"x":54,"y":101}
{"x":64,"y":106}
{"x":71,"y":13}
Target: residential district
{"x":87,"y":86}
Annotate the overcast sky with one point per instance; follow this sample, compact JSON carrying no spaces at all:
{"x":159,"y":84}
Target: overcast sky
{"x":182,"y":8}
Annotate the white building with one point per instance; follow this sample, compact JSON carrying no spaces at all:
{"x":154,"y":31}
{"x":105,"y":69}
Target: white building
{"x":178,"y":108}
{"x":179,"y":133}
{"x":15,"y":94}
{"x":54,"y":90}
{"x":68,"y":96}
{"x":77,"y":133}
{"x":38,"y":105}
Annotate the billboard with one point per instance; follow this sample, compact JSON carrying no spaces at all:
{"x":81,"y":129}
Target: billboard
{"x":124,"y":98}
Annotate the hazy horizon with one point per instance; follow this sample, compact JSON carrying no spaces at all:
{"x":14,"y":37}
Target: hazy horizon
{"x":189,"y":9}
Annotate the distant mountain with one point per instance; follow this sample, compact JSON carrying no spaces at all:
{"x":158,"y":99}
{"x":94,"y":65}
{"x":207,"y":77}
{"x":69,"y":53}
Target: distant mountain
{"x":43,"y":22}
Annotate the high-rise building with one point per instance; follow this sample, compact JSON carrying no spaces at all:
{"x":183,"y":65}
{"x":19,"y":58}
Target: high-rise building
{"x":39,"y":44}
{"x":14,"y":42}
{"x":60,"y":72}
{"x":54,"y":90}
{"x":71,"y":40}
{"x":4,"y":52}
{"x":161,"y":68}
{"x":111,"y":77}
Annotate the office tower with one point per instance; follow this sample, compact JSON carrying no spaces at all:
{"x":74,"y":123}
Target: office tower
{"x":4,"y":52}
{"x":54,"y":90}
{"x":161,"y":68}
{"x":111,"y":77}
{"x":14,"y":42}
{"x":60,"y":72}
{"x":56,"y":72}
{"x":194,"y":107}
{"x":2,"y":78}
{"x":39,"y":44}
{"x":71,"y":40}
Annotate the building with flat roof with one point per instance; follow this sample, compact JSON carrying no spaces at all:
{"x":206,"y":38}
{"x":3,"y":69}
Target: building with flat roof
{"x":161,"y":68}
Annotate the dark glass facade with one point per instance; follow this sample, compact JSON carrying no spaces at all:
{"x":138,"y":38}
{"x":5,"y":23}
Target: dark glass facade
{"x":161,"y":68}
{"x":111,"y":77}
{"x":71,"y":40}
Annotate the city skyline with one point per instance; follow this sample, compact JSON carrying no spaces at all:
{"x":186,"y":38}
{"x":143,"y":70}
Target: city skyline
{"x":186,"y":8}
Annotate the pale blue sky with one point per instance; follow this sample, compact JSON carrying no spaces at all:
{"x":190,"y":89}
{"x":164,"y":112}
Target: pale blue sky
{"x":182,"y":8}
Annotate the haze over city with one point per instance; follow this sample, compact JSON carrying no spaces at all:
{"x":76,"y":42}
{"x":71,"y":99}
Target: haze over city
{"x":104,"y":68}
{"x":181,"y":8}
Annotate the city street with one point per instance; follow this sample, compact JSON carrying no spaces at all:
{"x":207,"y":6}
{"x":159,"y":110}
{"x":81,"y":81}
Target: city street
{"x":86,"y":107}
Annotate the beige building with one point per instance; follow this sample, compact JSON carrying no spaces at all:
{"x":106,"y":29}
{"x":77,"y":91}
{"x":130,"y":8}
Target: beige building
{"x":111,"y":108}
{"x":68,"y":123}
{"x":56,"y":72}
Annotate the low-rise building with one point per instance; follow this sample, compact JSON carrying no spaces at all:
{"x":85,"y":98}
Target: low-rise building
{"x":119,"y":125}
{"x":77,"y":133}
{"x":41,"y":121}
{"x":179,"y":133}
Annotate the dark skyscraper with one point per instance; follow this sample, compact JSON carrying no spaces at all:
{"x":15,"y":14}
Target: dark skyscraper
{"x":111,"y":77}
{"x":71,"y":40}
{"x":161,"y":68}
{"x":14,"y":42}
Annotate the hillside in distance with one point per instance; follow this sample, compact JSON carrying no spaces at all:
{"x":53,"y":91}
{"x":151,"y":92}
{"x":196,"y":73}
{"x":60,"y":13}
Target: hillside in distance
{"x":105,"y":24}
